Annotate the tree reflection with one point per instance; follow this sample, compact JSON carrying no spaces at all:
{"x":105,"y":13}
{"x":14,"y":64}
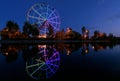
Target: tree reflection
{"x":10,"y":52}
{"x":68,"y":48}
{"x":29,"y":52}
{"x":101,"y":46}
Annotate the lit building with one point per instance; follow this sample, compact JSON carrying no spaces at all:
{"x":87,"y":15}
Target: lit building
{"x":86,"y":34}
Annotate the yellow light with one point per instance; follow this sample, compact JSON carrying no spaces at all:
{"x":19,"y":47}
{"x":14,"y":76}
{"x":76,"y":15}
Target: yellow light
{"x":42,"y":36}
{"x":41,"y":46}
{"x":6,"y":53}
{"x":93,"y":47}
{"x":86,"y":51}
{"x":86,"y":31}
{"x":68,"y":52}
{"x":85,"y":36}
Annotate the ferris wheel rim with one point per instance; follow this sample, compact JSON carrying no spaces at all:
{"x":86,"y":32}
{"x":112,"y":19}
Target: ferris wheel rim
{"x":53,"y":18}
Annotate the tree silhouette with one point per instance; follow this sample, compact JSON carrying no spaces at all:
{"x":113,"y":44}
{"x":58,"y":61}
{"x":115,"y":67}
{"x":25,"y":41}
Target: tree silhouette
{"x":60,"y":34}
{"x":27,"y":28}
{"x":83,"y":29}
{"x":96,"y":34}
{"x":51,"y":31}
{"x":110,"y":36}
{"x":35,"y":32}
{"x":12,"y":26}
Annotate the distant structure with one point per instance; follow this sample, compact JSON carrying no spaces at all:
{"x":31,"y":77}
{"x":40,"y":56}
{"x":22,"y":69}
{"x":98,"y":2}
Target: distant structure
{"x":85,"y":33}
{"x":46,"y":17}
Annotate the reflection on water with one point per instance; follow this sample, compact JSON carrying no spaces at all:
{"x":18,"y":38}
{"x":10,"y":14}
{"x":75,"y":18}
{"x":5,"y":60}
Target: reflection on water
{"x":42,"y":61}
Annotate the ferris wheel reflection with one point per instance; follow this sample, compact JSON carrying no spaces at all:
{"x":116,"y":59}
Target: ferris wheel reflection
{"x":44,"y":64}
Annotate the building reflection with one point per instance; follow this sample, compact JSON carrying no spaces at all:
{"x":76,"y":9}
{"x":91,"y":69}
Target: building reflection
{"x":85,"y":48}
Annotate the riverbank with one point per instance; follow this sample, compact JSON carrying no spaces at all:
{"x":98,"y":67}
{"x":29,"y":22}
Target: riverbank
{"x":50,"y":41}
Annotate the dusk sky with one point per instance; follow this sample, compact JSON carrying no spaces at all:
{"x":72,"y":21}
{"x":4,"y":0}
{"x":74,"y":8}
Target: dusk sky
{"x":102,"y":15}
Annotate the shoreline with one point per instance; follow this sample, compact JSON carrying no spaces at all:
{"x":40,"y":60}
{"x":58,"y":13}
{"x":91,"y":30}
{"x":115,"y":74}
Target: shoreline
{"x":46,"y":41}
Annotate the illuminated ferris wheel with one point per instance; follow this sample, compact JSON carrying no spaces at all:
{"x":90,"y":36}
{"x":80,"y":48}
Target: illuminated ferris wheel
{"x":44,"y":16}
{"x":44,"y":64}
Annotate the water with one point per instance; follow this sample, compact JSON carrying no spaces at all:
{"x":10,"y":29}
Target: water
{"x":59,"y":62}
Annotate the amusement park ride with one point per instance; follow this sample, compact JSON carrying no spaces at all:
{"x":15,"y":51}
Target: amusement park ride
{"x":45,"y":63}
{"x":44,"y":16}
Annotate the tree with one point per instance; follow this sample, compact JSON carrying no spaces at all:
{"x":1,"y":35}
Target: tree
{"x":35,"y":32}
{"x":12,"y":26}
{"x":83,"y":29}
{"x":76,"y":35}
{"x":104,"y":36}
{"x":60,"y":34}
{"x":27,"y":28}
{"x":51,"y":31}
{"x":96,"y":34}
{"x":110,"y":36}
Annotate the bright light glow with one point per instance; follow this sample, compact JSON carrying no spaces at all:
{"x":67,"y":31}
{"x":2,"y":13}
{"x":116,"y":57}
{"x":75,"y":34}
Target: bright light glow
{"x":6,"y":53}
{"x":42,"y":36}
{"x":41,"y":46}
{"x":68,"y":52}
{"x":86,"y":51}
{"x":93,"y":47}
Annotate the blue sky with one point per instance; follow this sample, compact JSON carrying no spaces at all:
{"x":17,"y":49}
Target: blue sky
{"x":103,"y":15}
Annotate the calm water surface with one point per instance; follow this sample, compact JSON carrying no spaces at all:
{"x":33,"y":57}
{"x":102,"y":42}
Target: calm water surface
{"x":60,"y":62}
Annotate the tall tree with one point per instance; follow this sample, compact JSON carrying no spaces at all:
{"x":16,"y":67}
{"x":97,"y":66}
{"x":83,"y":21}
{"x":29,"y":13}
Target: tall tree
{"x":12,"y":26}
{"x":96,"y":34}
{"x":83,"y":29}
{"x":35,"y":31}
{"x":27,"y":28}
{"x":51,"y":31}
{"x":110,"y":35}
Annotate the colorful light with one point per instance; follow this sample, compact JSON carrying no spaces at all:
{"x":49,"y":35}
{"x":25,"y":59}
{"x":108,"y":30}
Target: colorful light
{"x":44,"y":64}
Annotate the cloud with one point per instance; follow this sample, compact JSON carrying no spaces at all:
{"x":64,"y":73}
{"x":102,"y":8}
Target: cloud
{"x":114,"y":17}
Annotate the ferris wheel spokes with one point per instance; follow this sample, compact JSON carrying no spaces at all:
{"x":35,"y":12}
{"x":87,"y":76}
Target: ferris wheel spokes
{"x":38,"y":18}
{"x":37,"y":69}
{"x":43,"y":14}
{"x":53,"y":18}
{"x":51,"y":13}
{"x":37,"y":12}
{"x":37,"y":64}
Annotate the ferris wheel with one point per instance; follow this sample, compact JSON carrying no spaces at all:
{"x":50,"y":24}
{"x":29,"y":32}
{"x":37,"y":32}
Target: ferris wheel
{"x":44,"y":64}
{"x":44,"y":16}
